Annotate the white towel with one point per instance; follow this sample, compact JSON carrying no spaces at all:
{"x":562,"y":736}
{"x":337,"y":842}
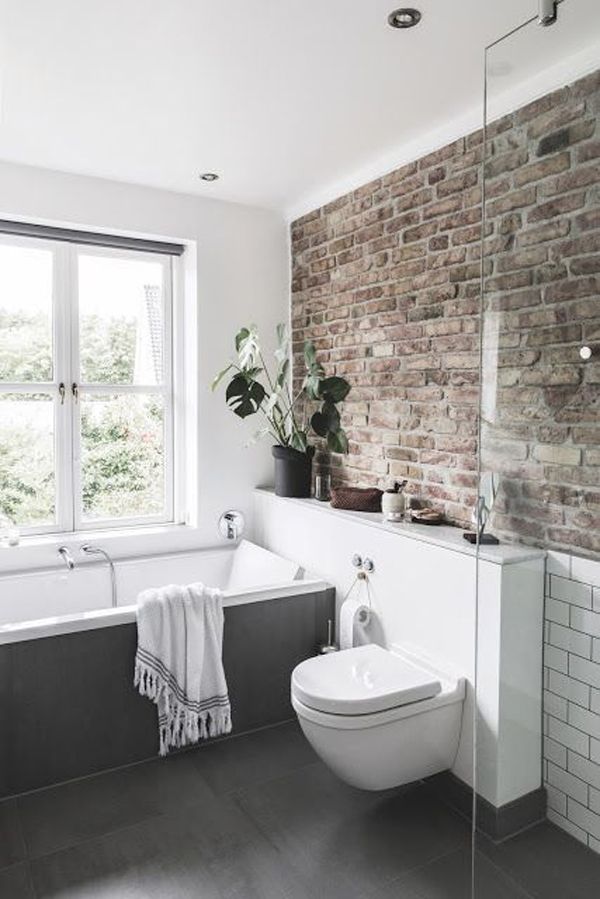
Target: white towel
{"x":178,"y":663}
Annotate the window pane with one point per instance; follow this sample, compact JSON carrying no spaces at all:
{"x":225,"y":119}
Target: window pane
{"x":25,"y":314}
{"x":122,"y":456}
{"x":121,"y":320}
{"x":27,"y":486}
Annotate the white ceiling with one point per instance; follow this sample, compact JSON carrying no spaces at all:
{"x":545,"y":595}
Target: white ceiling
{"x":289,"y":101}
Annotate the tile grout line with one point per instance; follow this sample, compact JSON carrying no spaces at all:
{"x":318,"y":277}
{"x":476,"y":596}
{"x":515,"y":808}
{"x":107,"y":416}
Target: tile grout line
{"x":31,"y":882}
{"x":179,"y":753}
{"x":574,"y":726}
{"x":415,"y":868}
{"x":510,"y":876}
{"x":99,"y":836}
{"x":262,"y":782}
{"x":228,"y":796}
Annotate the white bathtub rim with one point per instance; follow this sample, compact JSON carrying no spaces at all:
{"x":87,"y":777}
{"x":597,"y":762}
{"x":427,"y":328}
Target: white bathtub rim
{"x":122,"y":561}
{"x":97,"y":618}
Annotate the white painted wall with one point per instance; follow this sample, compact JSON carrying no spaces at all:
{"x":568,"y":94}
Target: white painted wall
{"x":509,"y":678}
{"x":236,"y":273}
{"x":424,"y":597}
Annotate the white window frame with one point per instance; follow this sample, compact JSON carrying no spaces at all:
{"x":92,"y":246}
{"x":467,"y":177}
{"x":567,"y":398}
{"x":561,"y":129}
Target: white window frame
{"x":66,"y":370}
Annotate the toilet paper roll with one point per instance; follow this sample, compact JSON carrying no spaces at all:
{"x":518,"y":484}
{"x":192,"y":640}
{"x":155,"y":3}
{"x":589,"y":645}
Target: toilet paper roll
{"x":353,"y":611}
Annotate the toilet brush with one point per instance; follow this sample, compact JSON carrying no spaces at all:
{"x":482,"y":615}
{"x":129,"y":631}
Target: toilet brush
{"x":330,"y":646}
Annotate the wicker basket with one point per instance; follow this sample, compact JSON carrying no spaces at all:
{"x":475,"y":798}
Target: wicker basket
{"x":357,"y":499}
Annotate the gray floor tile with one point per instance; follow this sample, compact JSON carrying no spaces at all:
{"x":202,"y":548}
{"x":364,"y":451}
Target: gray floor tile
{"x":65,"y":815}
{"x":15,"y":883}
{"x":253,"y":758}
{"x":255,"y":818}
{"x":209,"y":852}
{"x":548,"y":863}
{"x":449,"y":877}
{"x":345,"y":842}
{"x":12,"y":848}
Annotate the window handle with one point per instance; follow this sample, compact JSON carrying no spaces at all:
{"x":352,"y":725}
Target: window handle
{"x":61,"y":392}
{"x":75,"y":391}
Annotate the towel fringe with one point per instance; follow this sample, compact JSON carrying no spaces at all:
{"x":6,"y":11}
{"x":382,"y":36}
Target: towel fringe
{"x":183,"y":725}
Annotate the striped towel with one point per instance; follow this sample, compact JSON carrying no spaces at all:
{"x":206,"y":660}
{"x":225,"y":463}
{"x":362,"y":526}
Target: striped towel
{"x":178,"y":663}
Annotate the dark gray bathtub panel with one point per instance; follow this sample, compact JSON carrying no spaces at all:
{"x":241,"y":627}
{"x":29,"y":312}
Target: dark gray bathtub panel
{"x":277,"y":636}
{"x":68,"y":707}
{"x":6,"y":707}
{"x":12,"y":845}
{"x":75,"y":710}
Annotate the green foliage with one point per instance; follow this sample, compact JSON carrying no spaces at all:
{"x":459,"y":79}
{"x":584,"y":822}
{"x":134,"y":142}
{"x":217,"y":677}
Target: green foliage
{"x":122,"y":435}
{"x":328,"y":419}
{"x":122,"y":456}
{"x":26,"y":460}
{"x":25,"y":347}
{"x":333,"y":390}
{"x":107,"y":350}
{"x":245,"y":394}
{"x":252,"y":389}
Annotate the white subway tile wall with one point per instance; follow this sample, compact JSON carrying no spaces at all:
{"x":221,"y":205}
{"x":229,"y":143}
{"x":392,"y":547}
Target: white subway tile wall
{"x":572,"y":695}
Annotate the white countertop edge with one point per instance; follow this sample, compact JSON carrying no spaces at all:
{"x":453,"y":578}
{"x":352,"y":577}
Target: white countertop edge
{"x":445,"y":536}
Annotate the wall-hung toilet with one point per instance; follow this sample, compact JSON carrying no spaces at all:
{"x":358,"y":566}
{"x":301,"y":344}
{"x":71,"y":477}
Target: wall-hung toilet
{"x":378,"y":718}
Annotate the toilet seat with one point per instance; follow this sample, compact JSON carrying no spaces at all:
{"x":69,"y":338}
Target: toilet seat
{"x":361,"y":681}
{"x":379,"y":718}
{"x":373,"y":720}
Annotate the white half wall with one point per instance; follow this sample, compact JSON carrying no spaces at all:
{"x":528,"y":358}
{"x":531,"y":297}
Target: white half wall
{"x":236,"y":272}
{"x":424,"y":598}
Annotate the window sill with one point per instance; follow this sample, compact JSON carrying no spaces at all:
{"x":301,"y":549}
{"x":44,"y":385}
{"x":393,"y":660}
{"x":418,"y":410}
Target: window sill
{"x":41,"y":551}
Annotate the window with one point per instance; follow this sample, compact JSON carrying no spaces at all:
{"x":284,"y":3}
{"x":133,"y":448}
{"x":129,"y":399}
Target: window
{"x":87,"y":427}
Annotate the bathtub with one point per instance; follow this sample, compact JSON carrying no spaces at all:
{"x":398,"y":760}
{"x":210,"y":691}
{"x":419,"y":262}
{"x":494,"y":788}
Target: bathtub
{"x":68,"y":707}
{"x":51,"y":601}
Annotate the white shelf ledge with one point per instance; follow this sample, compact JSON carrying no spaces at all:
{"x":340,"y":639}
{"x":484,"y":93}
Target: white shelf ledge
{"x":439,"y":535}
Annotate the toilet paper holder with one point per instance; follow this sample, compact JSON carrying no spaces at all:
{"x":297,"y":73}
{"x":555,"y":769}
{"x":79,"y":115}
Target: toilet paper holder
{"x":355,"y":608}
{"x":365,"y":563}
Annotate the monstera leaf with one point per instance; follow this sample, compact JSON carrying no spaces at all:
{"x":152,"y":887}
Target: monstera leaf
{"x":218,"y":378}
{"x":244,"y":395}
{"x":337,"y":441}
{"x":326,"y":423}
{"x":314,"y":371}
{"x":282,"y":352}
{"x":327,"y":419}
{"x":299,"y":441}
{"x":247,"y":347}
{"x":334,"y":390}
{"x":310,"y":354}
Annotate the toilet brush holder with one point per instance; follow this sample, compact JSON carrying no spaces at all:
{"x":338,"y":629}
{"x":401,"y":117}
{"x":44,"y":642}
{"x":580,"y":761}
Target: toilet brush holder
{"x":330,"y":646}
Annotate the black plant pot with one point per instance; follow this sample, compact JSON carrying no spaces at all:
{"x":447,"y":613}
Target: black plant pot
{"x":293,"y":471}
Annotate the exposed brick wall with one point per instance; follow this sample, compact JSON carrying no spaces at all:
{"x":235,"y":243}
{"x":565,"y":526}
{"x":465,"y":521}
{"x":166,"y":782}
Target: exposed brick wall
{"x":386,"y":281}
{"x":541,"y":421}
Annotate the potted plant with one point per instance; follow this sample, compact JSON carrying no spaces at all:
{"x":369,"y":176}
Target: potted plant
{"x":253,"y":389}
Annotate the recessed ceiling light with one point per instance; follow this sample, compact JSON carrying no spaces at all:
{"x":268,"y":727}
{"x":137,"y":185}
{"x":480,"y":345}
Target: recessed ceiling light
{"x":209,"y":176}
{"x":404,"y":18}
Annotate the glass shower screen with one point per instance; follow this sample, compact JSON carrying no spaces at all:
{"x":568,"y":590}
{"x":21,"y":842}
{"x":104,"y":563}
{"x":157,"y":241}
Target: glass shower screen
{"x":537,"y":768}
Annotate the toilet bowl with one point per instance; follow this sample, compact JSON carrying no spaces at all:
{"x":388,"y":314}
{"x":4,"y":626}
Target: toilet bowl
{"x":378,"y":718}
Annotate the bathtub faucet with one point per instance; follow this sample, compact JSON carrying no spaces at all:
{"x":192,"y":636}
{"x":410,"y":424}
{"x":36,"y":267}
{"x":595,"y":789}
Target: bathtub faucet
{"x":231,"y":528}
{"x":231,"y":525}
{"x":90,"y":550}
{"x":67,"y":558}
